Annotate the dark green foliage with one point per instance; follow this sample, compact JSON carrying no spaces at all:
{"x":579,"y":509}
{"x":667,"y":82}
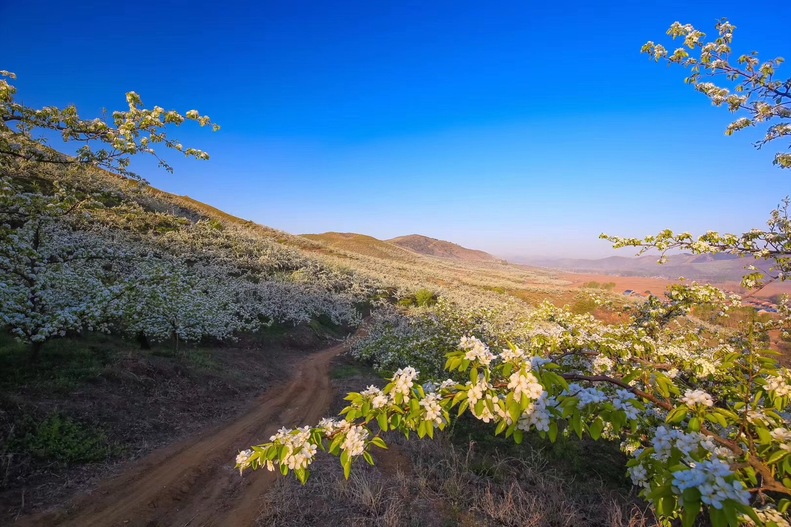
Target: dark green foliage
{"x":60,"y":439}
{"x":583,"y":306}
{"x":64,"y":364}
{"x":421,"y":298}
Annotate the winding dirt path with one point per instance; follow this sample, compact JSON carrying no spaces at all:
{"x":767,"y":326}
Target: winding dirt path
{"x":193,"y":483}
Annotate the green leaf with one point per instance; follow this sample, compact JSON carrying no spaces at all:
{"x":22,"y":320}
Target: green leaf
{"x":519,"y":436}
{"x":553,"y":431}
{"x":302,"y":475}
{"x":776,"y":456}
{"x":460,"y":396}
{"x":367,"y":456}
{"x":514,"y":410}
{"x":694,"y":424}
{"x":381,"y":419}
{"x":677,"y":414}
{"x":379,"y":442}
{"x":666,"y":505}
{"x":690,"y":513}
{"x":717,"y":517}
{"x":576,"y":424}
{"x":764,"y":436}
{"x":730,"y":513}
{"x":336,"y":444}
{"x":596,"y":428}
{"x":347,"y":468}
{"x":500,"y":427}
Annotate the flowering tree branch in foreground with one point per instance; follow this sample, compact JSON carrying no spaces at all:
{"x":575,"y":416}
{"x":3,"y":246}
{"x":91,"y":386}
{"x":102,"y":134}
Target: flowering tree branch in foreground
{"x":137,"y":130}
{"x":710,"y":432}
{"x":750,"y":86}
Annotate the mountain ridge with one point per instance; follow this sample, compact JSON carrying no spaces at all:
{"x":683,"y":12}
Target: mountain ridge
{"x":441,"y":249}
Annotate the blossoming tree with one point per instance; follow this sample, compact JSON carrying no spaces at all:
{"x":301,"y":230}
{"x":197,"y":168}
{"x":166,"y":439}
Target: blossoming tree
{"x":701,"y":409}
{"x":134,"y":131}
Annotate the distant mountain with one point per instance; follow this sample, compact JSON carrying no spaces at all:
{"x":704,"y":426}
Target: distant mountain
{"x":710,"y":267}
{"x":441,"y":249}
{"x":362,"y":244}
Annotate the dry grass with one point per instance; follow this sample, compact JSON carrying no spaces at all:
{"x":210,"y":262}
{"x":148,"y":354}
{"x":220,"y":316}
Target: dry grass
{"x":436,"y":483}
{"x":449,"y":486}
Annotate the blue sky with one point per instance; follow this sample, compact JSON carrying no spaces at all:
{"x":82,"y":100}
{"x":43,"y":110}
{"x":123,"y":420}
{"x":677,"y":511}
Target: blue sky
{"x":520,"y":128}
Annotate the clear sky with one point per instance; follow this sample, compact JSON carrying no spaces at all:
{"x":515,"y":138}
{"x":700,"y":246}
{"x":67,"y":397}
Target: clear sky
{"x":519,"y":128}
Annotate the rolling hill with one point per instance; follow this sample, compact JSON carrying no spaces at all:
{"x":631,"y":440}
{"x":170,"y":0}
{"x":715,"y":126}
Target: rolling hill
{"x":363,"y":244}
{"x":441,"y":249}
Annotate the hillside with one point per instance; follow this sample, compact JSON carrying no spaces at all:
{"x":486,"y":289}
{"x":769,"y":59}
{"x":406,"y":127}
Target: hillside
{"x":441,"y":249}
{"x":364,"y":245}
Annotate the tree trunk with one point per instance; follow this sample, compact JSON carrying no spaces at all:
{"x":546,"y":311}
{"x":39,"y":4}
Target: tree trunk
{"x":35,"y":350}
{"x":143,"y":341}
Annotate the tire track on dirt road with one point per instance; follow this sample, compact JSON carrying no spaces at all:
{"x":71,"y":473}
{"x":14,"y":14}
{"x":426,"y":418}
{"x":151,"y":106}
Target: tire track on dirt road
{"x":193,"y":483}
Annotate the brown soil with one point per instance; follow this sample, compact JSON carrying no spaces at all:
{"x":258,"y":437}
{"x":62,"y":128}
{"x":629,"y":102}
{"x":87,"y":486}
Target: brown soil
{"x":193,"y":483}
{"x":657,"y":286}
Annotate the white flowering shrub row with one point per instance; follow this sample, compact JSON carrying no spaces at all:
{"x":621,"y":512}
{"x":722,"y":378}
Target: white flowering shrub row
{"x":421,"y":337}
{"x":65,"y":266}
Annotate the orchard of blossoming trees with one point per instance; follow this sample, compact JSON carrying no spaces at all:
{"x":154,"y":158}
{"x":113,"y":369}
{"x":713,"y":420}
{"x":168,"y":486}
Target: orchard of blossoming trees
{"x":702,"y":409}
{"x":82,"y":250}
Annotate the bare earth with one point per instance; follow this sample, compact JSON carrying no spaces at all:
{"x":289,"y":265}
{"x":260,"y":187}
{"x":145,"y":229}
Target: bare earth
{"x":658,"y":285}
{"x":193,"y":483}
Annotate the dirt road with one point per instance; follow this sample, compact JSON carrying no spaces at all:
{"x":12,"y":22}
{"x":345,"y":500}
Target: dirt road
{"x":193,"y":483}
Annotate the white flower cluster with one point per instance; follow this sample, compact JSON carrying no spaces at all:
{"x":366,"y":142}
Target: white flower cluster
{"x":709,"y":477}
{"x":354,"y":442}
{"x":703,"y":362}
{"x":639,"y":476}
{"x":242,"y":458}
{"x":476,"y":350}
{"x":585,"y":396}
{"x":432,"y":408}
{"x":536,"y":362}
{"x":376,"y":396}
{"x":512,"y":355}
{"x":330,"y":425}
{"x":477,"y":391}
{"x":300,"y":450}
{"x":621,"y":401}
{"x":601,"y":364}
{"x":767,"y":514}
{"x":696,"y":398}
{"x":485,"y":414}
{"x":447,"y":384}
{"x":665,"y":439}
{"x":522,"y":382}
{"x":537,"y":414}
{"x":403,"y":380}
{"x":782,"y":435}
{"x":778,"y":385}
